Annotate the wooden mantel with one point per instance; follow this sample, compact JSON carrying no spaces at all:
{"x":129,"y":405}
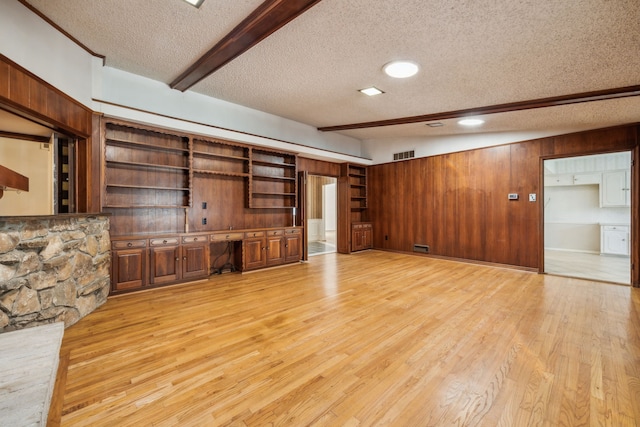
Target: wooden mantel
{"x":13,"y":180}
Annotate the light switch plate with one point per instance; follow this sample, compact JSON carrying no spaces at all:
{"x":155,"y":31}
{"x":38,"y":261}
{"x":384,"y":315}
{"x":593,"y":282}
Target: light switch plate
{"x":532,"y":197}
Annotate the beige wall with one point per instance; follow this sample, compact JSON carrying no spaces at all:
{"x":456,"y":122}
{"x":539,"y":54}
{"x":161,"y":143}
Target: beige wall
{"x":31,"y":160}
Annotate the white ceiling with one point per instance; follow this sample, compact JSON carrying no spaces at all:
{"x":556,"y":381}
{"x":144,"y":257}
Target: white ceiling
{"x":472,"y":53}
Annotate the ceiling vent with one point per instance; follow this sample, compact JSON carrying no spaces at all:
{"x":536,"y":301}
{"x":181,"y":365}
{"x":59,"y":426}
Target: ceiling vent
{"x":404,"y":155}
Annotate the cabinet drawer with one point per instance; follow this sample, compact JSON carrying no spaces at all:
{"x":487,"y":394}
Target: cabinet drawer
{"x":615,"y":228}
{"x":164,"y":242}
{"x":292,"y":231}
{"x":128,"y":244}
{"x":275,"y":232}
{"x":194,"y":239}
{"x":357,"y":226}
{"x":222,"y":237}
{"x":367,"y":226}
{"x":254,"y":234}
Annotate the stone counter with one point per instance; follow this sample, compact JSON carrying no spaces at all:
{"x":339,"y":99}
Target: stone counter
{"x":52,"y":268}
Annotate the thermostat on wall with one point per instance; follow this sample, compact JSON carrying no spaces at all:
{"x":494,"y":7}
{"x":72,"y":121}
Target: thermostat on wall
{"x":513,"y":196}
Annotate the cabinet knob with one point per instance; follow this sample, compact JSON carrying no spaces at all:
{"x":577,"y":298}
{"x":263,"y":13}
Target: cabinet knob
{"x":227,"y":236}
{"x":184,"y":258}
{"x":164,"y":241}
{"x":177,"y":258}
{"x":195,"y":239}
{"x":129,"y":244}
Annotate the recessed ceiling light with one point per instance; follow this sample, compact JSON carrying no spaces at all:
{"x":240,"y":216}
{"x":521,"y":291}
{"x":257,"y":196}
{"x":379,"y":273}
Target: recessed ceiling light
{"x":435,"y":124}
{"x":400,"y":69}
{"x":371,"y":91}
{"x":471,"y":122}
{"x":195,"y":3}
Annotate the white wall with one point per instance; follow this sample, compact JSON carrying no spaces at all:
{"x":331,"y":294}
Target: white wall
{"x":33,"y":44}
{"x":28,"y":158}
{"x":381,"y":150}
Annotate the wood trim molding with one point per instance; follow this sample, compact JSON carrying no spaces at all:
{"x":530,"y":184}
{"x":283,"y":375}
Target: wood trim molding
{"x":60,"y":29}
{"x":13,"y":180}
{"x":555,"y":101}
{"x":269,"y":17}
{"x":23,"y":136}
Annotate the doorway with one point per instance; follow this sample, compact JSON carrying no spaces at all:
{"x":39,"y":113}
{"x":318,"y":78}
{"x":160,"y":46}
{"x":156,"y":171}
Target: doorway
{"x":322,"y":214}
{"x":587,"y":217}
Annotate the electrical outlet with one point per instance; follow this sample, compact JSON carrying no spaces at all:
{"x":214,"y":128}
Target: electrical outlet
{"x":204,"y":205}
{"x":204,"y":221}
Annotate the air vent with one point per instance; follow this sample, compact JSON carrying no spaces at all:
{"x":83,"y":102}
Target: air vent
{"x":404,"y":155}
{"x":421,"y":248}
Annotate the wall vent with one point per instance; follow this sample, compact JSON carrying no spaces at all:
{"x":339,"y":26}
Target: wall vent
{"x":421,"y":248}
{"x":404,"y":155}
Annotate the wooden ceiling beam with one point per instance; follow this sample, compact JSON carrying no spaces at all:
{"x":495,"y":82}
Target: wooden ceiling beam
{"x":269,"y":17}
{"x":555,"y":101}
{"x":24,"y":136}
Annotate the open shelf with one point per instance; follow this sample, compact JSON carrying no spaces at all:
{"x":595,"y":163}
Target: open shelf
{"x":147,"y":187}
{"x":145,"y":146}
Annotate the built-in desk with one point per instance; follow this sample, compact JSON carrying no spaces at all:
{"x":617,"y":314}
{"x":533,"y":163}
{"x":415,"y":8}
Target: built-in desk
{"x":142,"y":261}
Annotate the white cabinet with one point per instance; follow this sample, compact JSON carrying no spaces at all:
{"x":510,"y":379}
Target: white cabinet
{"x":614,"y":240}
{"x":615,"y":190}
{"x":572,"y":179}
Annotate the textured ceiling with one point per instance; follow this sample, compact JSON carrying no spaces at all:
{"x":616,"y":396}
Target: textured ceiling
{"x":471,"y":53}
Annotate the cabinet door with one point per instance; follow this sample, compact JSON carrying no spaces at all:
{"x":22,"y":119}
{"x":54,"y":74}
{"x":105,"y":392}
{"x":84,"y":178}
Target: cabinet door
{"x":356,"y":239}
{"x":254,"y":253}
{"x":367,"y":238}
{"x":292,"y":247}
{"x":615,"y":189}
{"x":560,"y":179}
{"x":275,"y":250}
{"x":165,"y":264}
{"x":129,"y":269}
{"x":615,"y":242}
{"x":195,"y":261}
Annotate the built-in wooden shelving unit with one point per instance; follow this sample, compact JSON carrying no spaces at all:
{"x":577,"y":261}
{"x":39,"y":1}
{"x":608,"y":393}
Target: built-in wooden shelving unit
{"x":273,"y":182}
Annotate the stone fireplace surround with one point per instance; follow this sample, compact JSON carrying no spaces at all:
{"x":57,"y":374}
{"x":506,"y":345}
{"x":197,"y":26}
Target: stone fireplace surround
{"x":52,"y":268}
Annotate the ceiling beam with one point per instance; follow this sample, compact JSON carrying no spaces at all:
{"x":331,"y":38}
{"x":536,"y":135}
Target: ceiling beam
{"x":555,"y":101}
{"x":269,"y":17}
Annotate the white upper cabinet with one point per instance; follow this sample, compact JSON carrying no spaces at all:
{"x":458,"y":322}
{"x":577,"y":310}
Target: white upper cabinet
{"x":615,"y":190}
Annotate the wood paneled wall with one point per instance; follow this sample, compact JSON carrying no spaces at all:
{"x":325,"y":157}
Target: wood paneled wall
{"x":457,"y":203}
{"x":28,"y":95}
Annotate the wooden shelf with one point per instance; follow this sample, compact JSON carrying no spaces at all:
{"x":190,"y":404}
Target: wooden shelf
{"x":144,"y":146}
{"x":145,"y":206}
{"x":222,"y":173}
{"x":220,"y":156}
{"x":274,"y":178}
{"x":147,"y":187}
{"x":147,"y":165}
{"x":274,"y":194}
{"x":275,"y":164}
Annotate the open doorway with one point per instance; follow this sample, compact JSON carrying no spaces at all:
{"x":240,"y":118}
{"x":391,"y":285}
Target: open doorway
{"x":322,"y":212}
{"x":587,"y":217}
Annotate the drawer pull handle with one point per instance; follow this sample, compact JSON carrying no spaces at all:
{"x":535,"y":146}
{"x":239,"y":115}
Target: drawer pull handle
{"x":164,"y":241}
{"x":227,"y":236}
{"x":129,"y":244}
{"x":195,"y":239}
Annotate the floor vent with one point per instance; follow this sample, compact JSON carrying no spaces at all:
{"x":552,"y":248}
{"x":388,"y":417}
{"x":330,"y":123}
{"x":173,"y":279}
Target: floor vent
{"x":421,"y":248}
{"x":404,"y":155}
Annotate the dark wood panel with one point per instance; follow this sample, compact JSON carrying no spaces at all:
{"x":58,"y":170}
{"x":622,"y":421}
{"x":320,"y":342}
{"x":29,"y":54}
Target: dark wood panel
{"x":318,"y":167}
{"x":20,"y":87}
{"x":458,"y":203}
{"x":4,"y":79}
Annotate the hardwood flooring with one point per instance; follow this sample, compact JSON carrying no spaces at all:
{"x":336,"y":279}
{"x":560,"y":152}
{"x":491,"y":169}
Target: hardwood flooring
{"x":608,"y":268}
{"x":368,"y":339}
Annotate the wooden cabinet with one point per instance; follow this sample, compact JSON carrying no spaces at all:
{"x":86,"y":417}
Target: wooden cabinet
{"x":195,"y":257}
{"x":254,"y":251}
{"x":273,"y":179}
{"x":556,"y":180}
{"x":614,"y":240}
{"x":128,"y":265}
{"x":352,"y":204}
{"x":361,"y":236}
{"x":292,"y":244}
{"x":164,"y":263}
{"x":275,"y":247}
{"x":616,"y":189}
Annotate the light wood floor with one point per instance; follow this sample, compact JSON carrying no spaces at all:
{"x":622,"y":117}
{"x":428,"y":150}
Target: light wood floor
{"x":608,"y":268}
{"x":367,"y":339}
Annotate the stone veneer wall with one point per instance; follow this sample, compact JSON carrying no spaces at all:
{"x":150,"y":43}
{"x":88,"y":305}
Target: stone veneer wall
{"x":52,"y":268}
